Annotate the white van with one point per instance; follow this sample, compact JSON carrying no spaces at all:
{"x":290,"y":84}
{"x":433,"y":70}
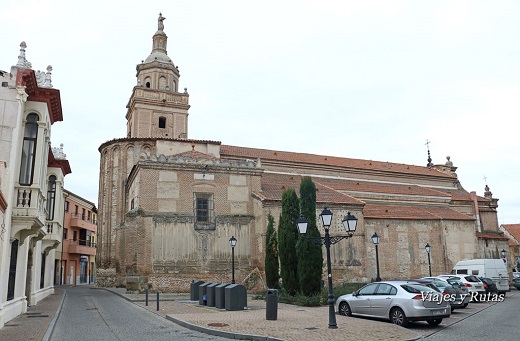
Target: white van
{"x":490,"y":268}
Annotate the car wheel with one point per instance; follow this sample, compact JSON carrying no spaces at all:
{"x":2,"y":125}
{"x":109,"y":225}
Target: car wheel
{"x":398,"y":317}
{"x":434,"y":322}
{"x":344,"y":309}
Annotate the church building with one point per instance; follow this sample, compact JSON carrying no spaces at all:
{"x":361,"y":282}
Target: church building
{"x":169,"y":203}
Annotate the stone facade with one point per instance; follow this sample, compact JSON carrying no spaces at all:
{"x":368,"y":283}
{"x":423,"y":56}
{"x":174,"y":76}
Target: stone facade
{"x":168,"y":205}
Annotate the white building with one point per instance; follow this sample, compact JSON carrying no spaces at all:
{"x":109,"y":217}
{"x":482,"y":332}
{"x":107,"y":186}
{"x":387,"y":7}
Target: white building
{"x":31,"y":187}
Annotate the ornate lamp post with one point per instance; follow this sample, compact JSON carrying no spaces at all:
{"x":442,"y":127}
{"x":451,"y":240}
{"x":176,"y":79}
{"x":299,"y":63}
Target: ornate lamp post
{"x":375,"y":240}
{"x":232,"y":242}
{"x":428,"y":249}
{"x":349,"y":223}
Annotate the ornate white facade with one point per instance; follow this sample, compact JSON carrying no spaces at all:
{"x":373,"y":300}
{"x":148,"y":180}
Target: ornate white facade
{"x":31,"y":183}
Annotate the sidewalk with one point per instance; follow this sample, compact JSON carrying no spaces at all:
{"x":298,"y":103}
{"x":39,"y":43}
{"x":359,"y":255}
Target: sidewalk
{"x":293,"y":322}
{"x":36,"y":323}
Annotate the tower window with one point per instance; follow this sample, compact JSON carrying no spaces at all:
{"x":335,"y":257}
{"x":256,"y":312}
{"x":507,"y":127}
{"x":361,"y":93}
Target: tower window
{"x":148,"y":82}
{"x":163,"y":83}
{"x":162,"y":122}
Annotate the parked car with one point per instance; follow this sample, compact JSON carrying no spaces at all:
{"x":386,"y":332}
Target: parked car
{"x":516,"y":282}
{"x":401,"y":302}
{"x":453,"y":293}
{"x":474,"y":285}
{"x":489,"y":268}
{"x":457,"y":283}
{"x":489,"y":285}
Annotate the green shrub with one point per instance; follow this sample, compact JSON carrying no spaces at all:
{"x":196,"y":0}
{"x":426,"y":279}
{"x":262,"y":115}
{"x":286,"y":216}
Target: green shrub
{"x":312,"y":301}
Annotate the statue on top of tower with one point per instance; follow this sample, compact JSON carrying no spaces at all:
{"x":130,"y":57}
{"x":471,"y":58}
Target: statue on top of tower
{"x":160,"y":23}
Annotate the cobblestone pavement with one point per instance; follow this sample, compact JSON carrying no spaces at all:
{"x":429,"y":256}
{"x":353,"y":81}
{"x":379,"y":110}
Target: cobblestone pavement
{"x":292,"y":323}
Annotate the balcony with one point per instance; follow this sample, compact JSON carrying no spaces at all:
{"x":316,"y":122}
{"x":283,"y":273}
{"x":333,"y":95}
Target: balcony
{"x":28,"y":212}
{"x":83,"y":247}
{"x":81,"y":221}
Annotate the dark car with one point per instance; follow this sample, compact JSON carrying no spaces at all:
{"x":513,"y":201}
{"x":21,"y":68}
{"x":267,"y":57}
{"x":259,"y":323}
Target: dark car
{"x":516,"y":282}
{"x":453,"y":293}
{"x":489,"y":285}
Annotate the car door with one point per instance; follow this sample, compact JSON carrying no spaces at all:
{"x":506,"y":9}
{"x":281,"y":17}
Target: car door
{"x":380,"y":302}
{"x":360,"y":303}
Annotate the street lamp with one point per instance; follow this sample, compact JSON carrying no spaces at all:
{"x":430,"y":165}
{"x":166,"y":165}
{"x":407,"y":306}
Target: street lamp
{"x":428,"y":249}
{"x":504,"y":253}
{"x":232,"y":242}
{"x":375,"y":239}
{"x":349,"y":224}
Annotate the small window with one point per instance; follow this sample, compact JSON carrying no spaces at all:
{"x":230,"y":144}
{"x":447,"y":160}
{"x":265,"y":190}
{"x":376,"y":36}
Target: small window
{"x":65,"y":234}
{"x":83,"y":214}
{"x":74,"y":235}
{"x":204,"y":217}
{"x":132,"y":204}
{"x":66,"y":206}
{"x":76,"y":210}
{"x":51,"y":196}
{"x":162,"y":122}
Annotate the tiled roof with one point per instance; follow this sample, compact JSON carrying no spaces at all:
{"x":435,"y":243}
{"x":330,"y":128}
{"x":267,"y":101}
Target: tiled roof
{"x":273,"y":186}
{"x":379,"y":187}
{"x":491,"y":235}
{"x":412,"y":212}
{"x":265,"y":154}
{"x":462,"y":195}
{"x":513,"y":229}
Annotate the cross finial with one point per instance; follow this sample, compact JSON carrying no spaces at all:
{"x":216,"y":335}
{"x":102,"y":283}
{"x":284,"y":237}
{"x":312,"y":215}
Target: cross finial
{"x":429,"y":164}
{"x":485,"y":179}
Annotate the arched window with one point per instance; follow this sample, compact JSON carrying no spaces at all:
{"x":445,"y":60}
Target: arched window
{"x":29,"y":150}
{"x":51,"y":197}
{"x":163,"y":83}
{"x":147,"y":82}
{"x":162,"y":122}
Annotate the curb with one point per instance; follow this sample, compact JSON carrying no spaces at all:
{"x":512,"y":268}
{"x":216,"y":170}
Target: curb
{"x":50,"y":329}
{"x":229,"y":335}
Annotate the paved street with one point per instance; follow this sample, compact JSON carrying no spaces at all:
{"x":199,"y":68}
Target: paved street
{"x":497,"y":322}
{"x":89,"y":314}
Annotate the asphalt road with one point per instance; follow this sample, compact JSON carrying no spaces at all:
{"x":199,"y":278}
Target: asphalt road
{"x":89,"y":314}
{"x":497,"y":322}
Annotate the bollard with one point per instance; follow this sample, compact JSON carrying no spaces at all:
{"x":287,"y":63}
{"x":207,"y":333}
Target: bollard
{"x":157,"y":301}
{"x":146,"y":295}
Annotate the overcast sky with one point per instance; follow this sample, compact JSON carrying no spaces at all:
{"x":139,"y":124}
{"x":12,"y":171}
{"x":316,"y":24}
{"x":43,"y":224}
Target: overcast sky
{"x":360,"y":79}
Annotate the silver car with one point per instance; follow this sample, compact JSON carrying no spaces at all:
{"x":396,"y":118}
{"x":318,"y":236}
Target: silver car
{"x":401,"y":302}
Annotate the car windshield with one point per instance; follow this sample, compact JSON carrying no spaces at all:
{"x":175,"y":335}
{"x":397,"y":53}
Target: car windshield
{"x":455,"y":282}
{"x":416,"y":288}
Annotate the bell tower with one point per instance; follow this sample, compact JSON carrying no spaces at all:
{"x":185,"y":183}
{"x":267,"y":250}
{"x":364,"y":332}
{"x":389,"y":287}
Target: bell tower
{"x":156,"y":108}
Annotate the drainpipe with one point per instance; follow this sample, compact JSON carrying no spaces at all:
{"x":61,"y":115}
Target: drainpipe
{"x":65,"y":196}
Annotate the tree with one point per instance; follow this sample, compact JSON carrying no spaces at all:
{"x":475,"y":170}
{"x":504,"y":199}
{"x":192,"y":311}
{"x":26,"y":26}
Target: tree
{"x":271,"y":255}
{"x":287,"y":238}
{"x":310,"y":256}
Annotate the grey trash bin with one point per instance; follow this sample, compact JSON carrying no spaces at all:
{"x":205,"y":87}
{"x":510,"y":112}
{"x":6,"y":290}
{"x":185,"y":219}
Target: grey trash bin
{"x":271,"y":306}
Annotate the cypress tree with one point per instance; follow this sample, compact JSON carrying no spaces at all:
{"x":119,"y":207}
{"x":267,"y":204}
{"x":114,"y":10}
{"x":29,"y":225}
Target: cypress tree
{"x":310,"y":256}
{"x":287,"y":238}
{"x":271,"y":255}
